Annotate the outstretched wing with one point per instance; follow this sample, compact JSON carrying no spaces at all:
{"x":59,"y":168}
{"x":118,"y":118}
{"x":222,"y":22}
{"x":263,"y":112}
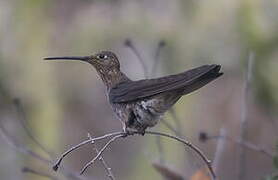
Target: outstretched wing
{"x":185,"y":82}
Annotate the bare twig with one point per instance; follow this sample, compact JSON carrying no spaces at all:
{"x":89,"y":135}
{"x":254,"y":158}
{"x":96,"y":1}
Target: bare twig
{"x":101,"y":151}
{"x":105,"y":165}
{"x":24,"y":124}
{"x":243,"y":122}
{"x":58,"y":162}
{"x":39,"y":173}
{"x":128,"y":43}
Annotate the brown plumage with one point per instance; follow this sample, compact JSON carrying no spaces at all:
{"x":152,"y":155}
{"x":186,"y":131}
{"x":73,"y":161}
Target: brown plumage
{"x":140,"y":104}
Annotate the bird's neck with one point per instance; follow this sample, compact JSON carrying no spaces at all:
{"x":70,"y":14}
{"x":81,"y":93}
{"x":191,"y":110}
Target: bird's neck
{"x":112,"y":77}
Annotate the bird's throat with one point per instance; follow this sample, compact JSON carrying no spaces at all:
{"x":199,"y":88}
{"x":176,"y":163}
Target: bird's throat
{"x":111,"y":77}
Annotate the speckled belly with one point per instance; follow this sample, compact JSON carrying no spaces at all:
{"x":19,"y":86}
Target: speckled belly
{"x":144,"y":113}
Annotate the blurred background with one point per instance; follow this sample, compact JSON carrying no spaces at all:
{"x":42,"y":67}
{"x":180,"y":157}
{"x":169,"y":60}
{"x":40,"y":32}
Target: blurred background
{"x":60,"y":102}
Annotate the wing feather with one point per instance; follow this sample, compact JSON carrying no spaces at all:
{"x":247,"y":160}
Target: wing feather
{"x":187,"y":82}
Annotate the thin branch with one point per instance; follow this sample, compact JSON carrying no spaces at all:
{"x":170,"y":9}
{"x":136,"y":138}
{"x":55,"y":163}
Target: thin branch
{"x":160,"y":150}
{"x":249,"y":146}
{"x":220,"y":149}
{"x":18,"y":147}
{"x":39,"y":173}
{"x":58,"y":162}
{"x":205,"y":137}
{"x":244,"y":118}
{"x":160,"y":45}
{"x":105,"y":165}
{"x":101,"y":151}
{"x":128,"y":43}
{"x":22,"y":119}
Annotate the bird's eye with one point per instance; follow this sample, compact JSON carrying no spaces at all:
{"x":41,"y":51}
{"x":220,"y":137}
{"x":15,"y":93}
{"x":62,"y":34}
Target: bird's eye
{"x":102,"y":56}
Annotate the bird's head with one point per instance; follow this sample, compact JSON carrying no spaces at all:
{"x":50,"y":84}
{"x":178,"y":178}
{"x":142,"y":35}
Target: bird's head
{"x":102,"y":61}
{"x":105,"y":62}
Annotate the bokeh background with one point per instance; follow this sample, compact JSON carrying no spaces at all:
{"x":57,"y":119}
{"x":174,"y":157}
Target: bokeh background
{"x":63,"y":101}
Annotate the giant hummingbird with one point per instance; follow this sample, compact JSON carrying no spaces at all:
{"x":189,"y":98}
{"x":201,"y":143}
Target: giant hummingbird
{"x":140,"y":104}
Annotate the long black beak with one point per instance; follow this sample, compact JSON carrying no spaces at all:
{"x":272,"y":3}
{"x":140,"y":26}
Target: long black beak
{"x":80,"y":58}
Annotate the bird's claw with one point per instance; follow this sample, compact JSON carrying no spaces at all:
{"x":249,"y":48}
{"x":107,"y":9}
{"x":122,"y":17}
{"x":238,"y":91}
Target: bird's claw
{"x":129,"y":132}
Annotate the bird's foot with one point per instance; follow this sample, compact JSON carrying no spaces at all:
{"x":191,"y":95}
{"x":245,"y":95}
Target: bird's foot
{"x":142,"y":132}
{"x":130,"y":132}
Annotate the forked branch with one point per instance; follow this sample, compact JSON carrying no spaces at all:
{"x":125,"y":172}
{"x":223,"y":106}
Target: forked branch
{"x":105,"y":165}
{"x":58,"y":162}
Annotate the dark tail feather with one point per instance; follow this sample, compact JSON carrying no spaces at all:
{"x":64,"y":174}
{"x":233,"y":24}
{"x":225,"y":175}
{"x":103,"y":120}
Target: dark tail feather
{"x":203,"y":80}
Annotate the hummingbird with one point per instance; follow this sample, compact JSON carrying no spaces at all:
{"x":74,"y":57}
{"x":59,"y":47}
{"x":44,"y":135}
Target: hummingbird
{"x":140,"y":104}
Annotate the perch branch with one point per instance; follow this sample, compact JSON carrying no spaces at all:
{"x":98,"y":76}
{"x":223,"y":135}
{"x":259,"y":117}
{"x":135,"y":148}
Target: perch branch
{"x":117,"y":135}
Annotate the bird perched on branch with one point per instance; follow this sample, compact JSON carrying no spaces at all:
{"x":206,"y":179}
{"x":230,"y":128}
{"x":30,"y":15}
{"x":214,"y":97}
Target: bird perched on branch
{"x":140,"y":104}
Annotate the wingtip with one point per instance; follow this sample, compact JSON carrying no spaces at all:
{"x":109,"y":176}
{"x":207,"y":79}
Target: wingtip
{"x":220,"y":74}
{"x":217,"y":69}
